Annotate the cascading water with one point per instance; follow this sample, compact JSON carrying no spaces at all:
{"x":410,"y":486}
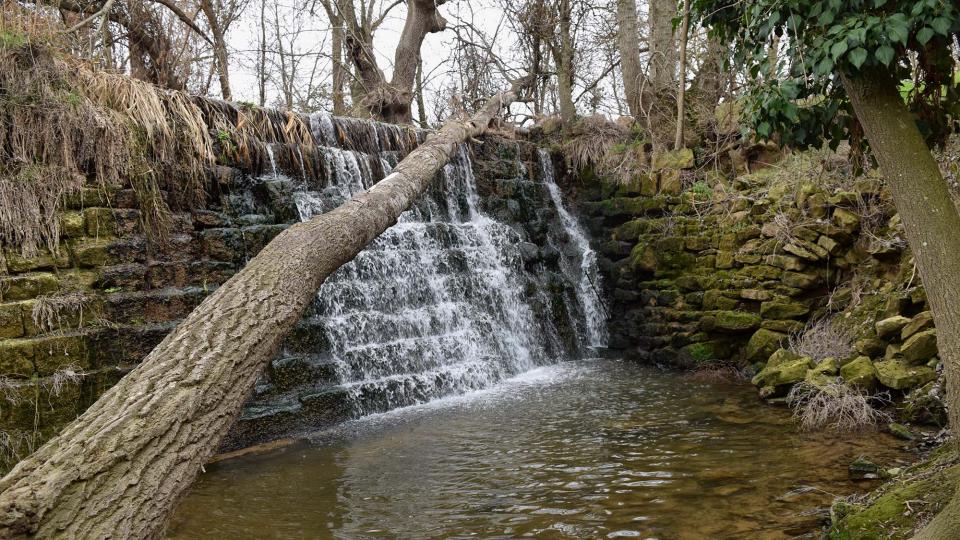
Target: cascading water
{"x":586,"y":274}
{"x":443,"y":302}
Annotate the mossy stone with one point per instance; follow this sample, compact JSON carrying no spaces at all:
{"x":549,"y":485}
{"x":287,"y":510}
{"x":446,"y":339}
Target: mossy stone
{"x":672,"y":159}
{"x":860,"y":373}
{"x":891,"y":326}
{"x":800,"y":280}
{"x":762,"y":344}
{"x":11,"y":321}
{"x":783,"y":310}
{"x":846,"y":220}
{"x":71,"y":224}
{"x":920,"y":347}
{"x":27,"y":286}
{"x":899,"y":375}
{"x":16,"y":357}
{"x":737,"y":321}
{"x":783,"y":373}
{"x":921,"y":322}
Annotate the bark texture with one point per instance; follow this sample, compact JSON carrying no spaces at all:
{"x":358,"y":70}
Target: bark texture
{"x":389,"y":101}
{"x":932,"y":225}
{"x":628,"y":42}
{"x":120,"y":468}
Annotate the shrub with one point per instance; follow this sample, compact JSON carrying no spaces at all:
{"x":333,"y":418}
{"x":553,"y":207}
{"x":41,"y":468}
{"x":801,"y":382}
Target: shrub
{"x":833,"y":407}
{"x":823,"y":339}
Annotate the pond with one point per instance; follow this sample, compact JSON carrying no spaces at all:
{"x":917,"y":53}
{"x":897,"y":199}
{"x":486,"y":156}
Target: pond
{"x":586,"y":449}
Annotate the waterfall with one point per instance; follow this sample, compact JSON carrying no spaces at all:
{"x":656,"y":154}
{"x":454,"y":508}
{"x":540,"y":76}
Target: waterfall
{"x":455,"y":297}
{"x":434,"y":305}
{"x":586,"y":274}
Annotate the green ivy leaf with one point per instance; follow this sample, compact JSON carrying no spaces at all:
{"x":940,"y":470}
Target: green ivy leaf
{"x":924,"y":35}
{"x":857,"y":57}
{"x":898,"y":30}
{"x":885,"y":55}
{"x":838,"y":49}
{"x":941,"y":25}
{"x":825,"y":66}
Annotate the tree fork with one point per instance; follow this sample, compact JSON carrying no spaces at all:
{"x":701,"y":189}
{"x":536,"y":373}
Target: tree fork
{"x":119,"y":469}
{"x":932,"y":224}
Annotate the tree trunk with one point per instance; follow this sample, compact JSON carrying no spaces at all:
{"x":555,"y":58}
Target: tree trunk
{"x":336,"y":48}
{"x":628,"y":41}
{"x":120,"y":468}
{"x":682,"y":78}
{"x":219,"y":48}
{"x":663,"y":50}
{"x":932,"y":224}
{"x":563,"y":58}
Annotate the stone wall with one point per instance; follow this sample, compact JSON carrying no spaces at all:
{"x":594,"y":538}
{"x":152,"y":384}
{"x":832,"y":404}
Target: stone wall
{"x":703,"y":269}
{"x":72,"y":323}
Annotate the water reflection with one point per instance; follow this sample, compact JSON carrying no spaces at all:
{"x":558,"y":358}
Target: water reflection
{"x":581,"y":450}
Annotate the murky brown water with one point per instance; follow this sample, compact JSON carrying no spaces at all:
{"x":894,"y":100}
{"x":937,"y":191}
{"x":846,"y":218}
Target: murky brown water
{"x":595,"y":449}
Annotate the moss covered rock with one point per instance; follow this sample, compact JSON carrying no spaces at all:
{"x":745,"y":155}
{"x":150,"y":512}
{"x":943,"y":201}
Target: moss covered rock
{"x":736,"y":321}
{"x":900,"y":375}
{"x":783,"y":310}
{"x":763,"y":343}
{"x":922,"y":321}
{"x":891,"y":326}
{"x":785,"y":369}
{"x":920,"y":347}
{"x":860,"y":373}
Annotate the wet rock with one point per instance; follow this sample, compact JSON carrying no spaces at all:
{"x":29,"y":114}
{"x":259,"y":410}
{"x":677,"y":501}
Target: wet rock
{"x":900,"y":431}
{"x":860,"y":373}
{"x":863,"y":469}
{"x":783,"y":371}
{"x":529,"y":251}
{"x":891,"y":326}
{"x":899,"y":375}
{"x":920,"y":347}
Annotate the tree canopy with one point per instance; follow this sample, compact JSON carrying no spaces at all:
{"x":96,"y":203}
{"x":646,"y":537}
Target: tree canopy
{"x":805,"y":105}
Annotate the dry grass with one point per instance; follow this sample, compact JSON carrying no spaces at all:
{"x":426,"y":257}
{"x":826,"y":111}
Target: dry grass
{"x":718,"y":373}
{"x":591,"y":143}
{"x":822,"y":339}
{"x":833,"y":407}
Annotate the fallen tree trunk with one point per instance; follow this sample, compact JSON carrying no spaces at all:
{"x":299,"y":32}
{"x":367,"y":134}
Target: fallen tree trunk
{"x":119,"y":469}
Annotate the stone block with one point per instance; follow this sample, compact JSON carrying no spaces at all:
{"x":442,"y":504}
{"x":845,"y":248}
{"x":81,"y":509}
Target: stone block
{"x":16,"y":357}
{"x":920,"y":347}
{"x":43,"y":261}
{"x":786,"y":327}
{"x":673,"y":159}
{"x":846,"y":220}
{"x":801,"y":280}
{"x":899,"y":375}
{"x":71,"y":224}
{"x":891,"y":326}
{"x":783,"y":310}
{"x":785,"y":262}
{"x":11,"y":321}
{"x":921,"y":322}
{"x":27,"y":286}
{"x":670,"y":182}
{"x":861,"y":373}
{"x":737,"y":321}
{"x":763,"y":343}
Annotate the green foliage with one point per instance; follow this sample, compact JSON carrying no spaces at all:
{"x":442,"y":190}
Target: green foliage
{"x":827,"y":37}
{"x":701,"y":190}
